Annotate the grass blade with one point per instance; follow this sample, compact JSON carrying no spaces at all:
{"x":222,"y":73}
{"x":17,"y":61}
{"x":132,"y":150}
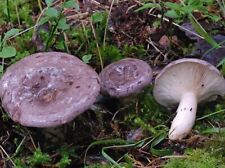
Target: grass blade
{"x":200,"y":30}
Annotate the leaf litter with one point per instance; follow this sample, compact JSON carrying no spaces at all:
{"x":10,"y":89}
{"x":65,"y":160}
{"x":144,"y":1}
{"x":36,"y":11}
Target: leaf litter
{"x":127,"y":30}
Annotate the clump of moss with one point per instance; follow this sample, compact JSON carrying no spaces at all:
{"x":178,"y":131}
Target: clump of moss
{"x":18,"y":11}
{"x":99,"y":166}
{"x":197,"y":158}
{"x":216,"y":143}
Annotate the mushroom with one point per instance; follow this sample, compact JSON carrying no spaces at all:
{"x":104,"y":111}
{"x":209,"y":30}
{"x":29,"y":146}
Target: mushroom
{"x":187,"y":82}
{"x":125,"y":77}
{"x":48,"y":89}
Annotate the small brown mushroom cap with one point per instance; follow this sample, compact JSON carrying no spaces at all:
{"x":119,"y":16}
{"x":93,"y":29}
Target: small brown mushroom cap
{"x":186,"y":75}
{"x":125,"y":77}
{"x":48,"y":89}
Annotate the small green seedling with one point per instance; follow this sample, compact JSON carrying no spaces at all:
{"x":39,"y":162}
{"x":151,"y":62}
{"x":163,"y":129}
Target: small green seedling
{"x":7,"y":51}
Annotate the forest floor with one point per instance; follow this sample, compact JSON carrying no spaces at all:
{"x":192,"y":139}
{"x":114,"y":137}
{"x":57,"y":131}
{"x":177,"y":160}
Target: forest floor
{"x":130,"y":132}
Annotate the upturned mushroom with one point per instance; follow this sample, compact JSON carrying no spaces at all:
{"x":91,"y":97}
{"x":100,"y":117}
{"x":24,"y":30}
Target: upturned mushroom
{"x":48,"y":89}
{"x":187,"y":82}
{"x":125,"y":77}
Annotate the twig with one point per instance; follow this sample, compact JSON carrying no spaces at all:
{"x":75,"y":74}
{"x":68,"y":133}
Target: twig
{"x":78,"y":16}
{"x":138,"y":2}
{"x":95,"y":2}
{"x":85,"y":31}
{"x":33,"y":27}
{"x":19,"y":146}
{"x":24,"y":31}
{"x":39,"y":5}
{"x":7,"y":136}
{"x":121,"y":109}
{"x":2,"y":156}
{"x":107,"y":22}
{"x":32,"y":141}
{"x":17,"y":12}
{"x":8,"y":157}
{"x":66,"y":41}
{"x":97,"y":45}
{"x":144,"y":152}
{"x":175,"y":24}
{"x":156,"y":48}
{"x":173,"y":156}
{"x":39,"y":17}
{"x":129,"y":8}
{"x":150,"y":141}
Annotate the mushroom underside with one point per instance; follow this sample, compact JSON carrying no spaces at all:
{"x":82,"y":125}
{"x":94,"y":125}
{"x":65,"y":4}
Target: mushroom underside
{"x":187,"y":82}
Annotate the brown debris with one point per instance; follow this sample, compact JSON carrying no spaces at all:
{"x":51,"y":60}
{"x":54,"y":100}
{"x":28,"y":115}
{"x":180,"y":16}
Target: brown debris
{"x":166,"y":42}
{"x":129,"y":27}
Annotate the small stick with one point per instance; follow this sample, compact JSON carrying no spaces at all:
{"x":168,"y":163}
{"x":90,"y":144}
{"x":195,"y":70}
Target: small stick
{"x":8,"y":157}
{"x":97,"y":45}
{"x":107,"y":22}
{"x":175,"y":24}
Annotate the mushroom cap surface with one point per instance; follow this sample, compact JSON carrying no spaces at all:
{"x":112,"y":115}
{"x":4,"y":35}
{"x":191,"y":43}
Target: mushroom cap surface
{"x":48,"y":89}
{"x":188,"y":75}
{"x":125,"y":77}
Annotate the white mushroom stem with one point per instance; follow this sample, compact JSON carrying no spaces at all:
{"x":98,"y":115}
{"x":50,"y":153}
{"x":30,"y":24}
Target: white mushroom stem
{"x":185,"y":118}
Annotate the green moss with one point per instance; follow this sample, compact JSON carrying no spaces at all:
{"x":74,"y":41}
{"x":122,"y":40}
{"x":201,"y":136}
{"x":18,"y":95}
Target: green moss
{"x":216,"y":144}
{"x":10,"y":14}
{"x":223,"y":68}
{"x":137,"y":51}
{"x":110,"y":54}
{"x":147,"y":109}
{"x":39,"y":158}
{"x":99,"y":166}
{"x":197,"y":158}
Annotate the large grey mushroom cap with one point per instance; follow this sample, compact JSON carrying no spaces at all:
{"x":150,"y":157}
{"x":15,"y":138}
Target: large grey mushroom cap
{"x":188,"y":75}
{"x":48,"y":89}
{"x":125,"y":77}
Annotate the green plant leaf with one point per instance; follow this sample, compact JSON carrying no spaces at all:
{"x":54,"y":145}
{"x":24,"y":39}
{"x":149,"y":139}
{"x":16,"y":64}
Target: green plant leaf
{"x":213,"y":130}
{"x":71,"y":4}
{"x":105,"y":142}
{"x":8,"y":52}
{"x":200,"y":30}
{"x":222,"y":63}
{"x":171,"y":14}
{"x":87,"y":58}
{"x":147,"y":6}
{"x":62,"y":24}
{"x":97,"y":17}
{"x":214,"y":17}
{"x":159,"y":152}
{"x":109,"y":158}
{"x":104,"y":154}
{"x":52,"y":13}
{"x":10,"y":33}
{"x":49,"y":2}
{"x":43,"y":20}
{"x":1,"y":69}
{"x":60,"y":45}
{"x":1,"y":41}
{"x":174,"y":6}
